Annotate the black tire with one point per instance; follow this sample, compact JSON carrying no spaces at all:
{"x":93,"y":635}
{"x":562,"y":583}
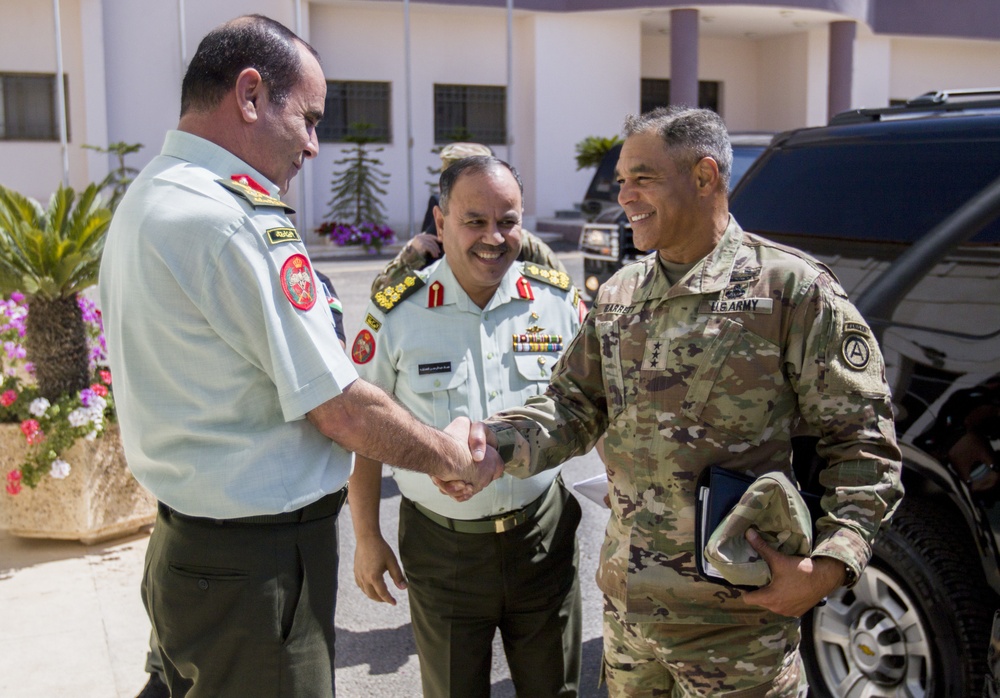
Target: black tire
{"x":917,"y":624}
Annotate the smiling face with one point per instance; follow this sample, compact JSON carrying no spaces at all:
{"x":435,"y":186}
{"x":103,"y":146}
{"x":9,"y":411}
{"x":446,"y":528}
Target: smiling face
{"x":662,"y":197}
{"x":286,"y":133}
{"x":481,"y":230}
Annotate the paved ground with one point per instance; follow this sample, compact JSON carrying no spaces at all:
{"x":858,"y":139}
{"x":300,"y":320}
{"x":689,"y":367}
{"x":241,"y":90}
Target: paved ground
{"x":72,"y":624}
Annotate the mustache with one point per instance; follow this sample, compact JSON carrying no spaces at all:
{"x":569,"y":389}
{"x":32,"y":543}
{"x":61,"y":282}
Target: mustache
{"x":490,"y":249}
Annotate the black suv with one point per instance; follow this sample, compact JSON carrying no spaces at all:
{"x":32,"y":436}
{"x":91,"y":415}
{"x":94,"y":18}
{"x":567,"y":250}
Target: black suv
{"x":902,"y":204}
{"x":606,"y":240}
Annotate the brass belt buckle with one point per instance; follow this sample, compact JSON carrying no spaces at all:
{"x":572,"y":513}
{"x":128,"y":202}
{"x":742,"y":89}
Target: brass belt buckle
{"x":501,"y":525}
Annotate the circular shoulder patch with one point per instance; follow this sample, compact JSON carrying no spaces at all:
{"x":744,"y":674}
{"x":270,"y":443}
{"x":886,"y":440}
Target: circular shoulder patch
{"x":364,"y":347}
{"x":856,"y":351}
{"x":297,"y":282}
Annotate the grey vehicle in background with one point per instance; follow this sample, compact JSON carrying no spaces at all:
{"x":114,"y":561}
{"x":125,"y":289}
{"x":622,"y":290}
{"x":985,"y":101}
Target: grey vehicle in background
{"x":606,"y":240}
{"x":902,"y":204}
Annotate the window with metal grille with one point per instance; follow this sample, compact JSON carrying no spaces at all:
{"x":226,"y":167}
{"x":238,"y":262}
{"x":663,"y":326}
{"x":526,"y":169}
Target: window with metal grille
{"x":656,"y":93}
{"x":476,"y":113}
{"x":28,"y":107}
{"x":350,"y":103}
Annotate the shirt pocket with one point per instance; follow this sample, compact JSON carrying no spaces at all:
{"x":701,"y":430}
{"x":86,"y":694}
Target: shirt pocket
{"x":735,"y":387}
{"x":533,"y":372}
{"x":444,"y":395}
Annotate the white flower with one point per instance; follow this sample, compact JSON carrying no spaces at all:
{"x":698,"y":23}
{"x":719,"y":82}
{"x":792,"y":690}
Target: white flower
{"x":79,"y":417}
{"x":38,"y":406}
{"x":59,"y":469}
{"x":91,"y":436}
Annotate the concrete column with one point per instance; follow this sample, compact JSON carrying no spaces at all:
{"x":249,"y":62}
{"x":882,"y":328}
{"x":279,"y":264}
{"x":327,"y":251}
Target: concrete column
{"x":684,"y":57}
{"x":841,"y":78}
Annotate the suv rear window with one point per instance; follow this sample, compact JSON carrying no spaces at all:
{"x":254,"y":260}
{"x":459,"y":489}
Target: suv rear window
{"x":860,"y":188}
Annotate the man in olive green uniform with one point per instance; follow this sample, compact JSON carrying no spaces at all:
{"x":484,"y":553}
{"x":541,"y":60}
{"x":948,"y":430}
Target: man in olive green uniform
{"x":712,"y":351}
{"x":474,"y":332}
{"x":425,"y":247}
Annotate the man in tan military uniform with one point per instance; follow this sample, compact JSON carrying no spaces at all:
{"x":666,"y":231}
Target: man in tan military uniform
{"x":712,"y":351}
{"x":475,"y":332}
{"x":425,"y":247}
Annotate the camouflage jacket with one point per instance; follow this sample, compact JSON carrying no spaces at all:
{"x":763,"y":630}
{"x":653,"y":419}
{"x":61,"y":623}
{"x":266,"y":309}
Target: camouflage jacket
{"x":755,"y":342}
{"x":409,"y":260}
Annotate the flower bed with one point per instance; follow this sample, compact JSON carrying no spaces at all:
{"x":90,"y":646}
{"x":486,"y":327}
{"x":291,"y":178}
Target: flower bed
{"x":372,"y":236}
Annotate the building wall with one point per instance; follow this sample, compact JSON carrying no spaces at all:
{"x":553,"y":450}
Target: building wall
{"x":27,"y":44}
{"x":575,"y":74}
{"x":733,"y":62}
{"x":924,"y":65}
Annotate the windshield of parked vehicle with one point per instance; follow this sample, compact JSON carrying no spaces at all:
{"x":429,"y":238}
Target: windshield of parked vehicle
{"x":895,"y":188}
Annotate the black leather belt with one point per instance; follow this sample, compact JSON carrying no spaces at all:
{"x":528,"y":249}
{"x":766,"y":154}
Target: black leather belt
{"x":322,"y":508}
{"x":501,"y":523}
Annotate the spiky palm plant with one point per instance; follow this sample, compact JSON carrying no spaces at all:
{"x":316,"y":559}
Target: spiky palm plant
{"x":50,"y":254}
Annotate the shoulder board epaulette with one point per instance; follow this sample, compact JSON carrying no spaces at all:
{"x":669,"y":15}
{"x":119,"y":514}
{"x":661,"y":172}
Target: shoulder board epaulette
{"x":255,"y":198}
{"x":548,"y":275}
{"x":391,"y":296}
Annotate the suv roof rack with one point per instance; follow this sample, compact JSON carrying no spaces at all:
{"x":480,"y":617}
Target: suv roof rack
{"x":929,"y":102}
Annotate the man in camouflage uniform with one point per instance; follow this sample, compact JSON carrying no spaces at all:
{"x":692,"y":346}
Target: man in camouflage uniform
{"x":425,"y":247}
{"x":711,"y":352}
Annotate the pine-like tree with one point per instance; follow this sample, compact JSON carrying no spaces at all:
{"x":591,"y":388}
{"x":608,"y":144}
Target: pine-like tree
{"x":358,"y":187}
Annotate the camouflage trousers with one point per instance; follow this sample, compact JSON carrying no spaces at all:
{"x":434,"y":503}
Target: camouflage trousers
{"x":675,"y":660}
{"x":992,"y":687}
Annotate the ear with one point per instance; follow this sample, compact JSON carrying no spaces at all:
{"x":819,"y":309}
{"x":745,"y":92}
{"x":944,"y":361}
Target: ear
{"x":706,"y":174}
{"x":439,"y":223}
{"x":249,"y":93}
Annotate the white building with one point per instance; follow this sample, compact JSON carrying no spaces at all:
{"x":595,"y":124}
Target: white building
{"x":575,"y":68}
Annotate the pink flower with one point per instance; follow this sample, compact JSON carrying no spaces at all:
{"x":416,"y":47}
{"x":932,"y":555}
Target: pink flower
{"x":99,"y":389}
{"x":8,"y":398}
{"x":13,"y":482}
{"x":32,"y":431}
{"x":106,"y":377}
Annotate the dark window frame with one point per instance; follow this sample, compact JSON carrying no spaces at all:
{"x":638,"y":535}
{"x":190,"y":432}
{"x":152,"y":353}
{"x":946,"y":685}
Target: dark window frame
{"x":352,"y":101}
{"x":475,"y":113}
{"x":655,"y":92}
{"x":23,"y":123}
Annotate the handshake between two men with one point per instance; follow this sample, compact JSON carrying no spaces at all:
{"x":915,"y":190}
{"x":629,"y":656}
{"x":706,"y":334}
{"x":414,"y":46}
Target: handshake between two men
{"x":486,"y":466}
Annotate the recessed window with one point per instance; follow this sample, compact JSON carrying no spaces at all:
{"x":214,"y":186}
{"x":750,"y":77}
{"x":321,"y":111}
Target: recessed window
{"x":28,"y":107}
{"x":656,"y":93}
{"x":351,"y":103}
{"x":476,"y":113}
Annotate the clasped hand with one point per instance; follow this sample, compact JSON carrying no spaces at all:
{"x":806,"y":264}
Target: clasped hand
{"x":484,"y":467}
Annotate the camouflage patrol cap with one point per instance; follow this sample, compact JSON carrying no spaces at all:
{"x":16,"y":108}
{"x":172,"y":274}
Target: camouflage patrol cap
{"x":453,"y":152}
{"x":776,"y":509}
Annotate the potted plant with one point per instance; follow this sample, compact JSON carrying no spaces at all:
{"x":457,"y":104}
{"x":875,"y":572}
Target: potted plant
{"x":357,"y":215}
{"x":64,"y":472}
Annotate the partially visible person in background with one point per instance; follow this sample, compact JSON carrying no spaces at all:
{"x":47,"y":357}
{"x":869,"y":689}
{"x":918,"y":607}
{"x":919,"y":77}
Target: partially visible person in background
{"x":426,"y":247}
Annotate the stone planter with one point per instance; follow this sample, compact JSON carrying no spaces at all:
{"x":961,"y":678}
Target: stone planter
{"x":98,"y":501}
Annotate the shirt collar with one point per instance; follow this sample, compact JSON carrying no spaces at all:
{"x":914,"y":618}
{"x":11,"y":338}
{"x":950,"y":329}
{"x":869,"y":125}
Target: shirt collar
{"x":456,"y":295}
{"x":709,"y":275}
{"x":214,"y":158}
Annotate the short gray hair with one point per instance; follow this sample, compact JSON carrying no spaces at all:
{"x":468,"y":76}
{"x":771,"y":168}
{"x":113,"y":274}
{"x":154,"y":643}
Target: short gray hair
{"x":476,"y":164}
{"x":695,"y":133}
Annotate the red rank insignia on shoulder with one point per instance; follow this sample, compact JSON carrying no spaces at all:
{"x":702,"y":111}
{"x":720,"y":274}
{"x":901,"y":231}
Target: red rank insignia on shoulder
{"x":297,"y":282}
{"x":249,"y":181}
{"x":364,"y":347}
{"x":435,"y":295}
{"x":524,"y":289}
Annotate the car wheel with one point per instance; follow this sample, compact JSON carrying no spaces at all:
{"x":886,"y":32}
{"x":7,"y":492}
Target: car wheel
{"x":917,"y":622}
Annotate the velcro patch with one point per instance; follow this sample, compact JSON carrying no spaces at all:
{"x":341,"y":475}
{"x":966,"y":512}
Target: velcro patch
{"x":373,"y":323}
{"x":743,"y":305}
